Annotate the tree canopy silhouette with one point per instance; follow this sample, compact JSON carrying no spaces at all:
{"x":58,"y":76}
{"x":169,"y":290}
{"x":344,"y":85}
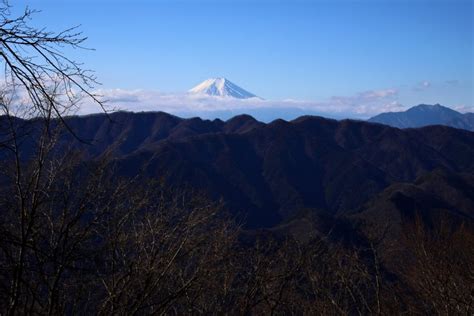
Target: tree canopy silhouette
{"x":35,"y":64}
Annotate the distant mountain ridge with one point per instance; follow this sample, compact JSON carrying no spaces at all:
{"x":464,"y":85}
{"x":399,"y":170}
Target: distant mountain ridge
{"x":425,"y":115}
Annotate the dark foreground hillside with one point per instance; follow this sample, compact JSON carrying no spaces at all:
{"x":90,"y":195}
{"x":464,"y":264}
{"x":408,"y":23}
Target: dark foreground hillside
{"x":151,"y":213}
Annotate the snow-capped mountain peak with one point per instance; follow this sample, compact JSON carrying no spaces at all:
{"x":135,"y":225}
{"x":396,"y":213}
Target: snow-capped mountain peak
{"x":221,"y":87}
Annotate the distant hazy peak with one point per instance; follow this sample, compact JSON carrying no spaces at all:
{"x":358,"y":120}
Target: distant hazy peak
{"x":424,"y":115}
{"x":431,"y":107}
{"x":221,"y":87}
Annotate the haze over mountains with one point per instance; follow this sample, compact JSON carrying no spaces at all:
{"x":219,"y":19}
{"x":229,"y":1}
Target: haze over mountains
{"x":223,"y":99}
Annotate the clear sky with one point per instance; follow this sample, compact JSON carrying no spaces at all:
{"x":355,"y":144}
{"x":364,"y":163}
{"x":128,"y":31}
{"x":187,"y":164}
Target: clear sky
{"x":421,"y":50}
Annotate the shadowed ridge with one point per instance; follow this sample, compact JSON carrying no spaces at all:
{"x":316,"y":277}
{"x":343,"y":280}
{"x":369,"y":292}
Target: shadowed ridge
{"x":305,"y":118}
{"x":316,"y":126}
{"x":279,"y":122}
{"x":195,"y":126}
{"x":434,"y":196}
{"x":241,"y":124}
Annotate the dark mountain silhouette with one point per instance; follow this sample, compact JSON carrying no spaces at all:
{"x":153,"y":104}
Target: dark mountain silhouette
{"x":122,"y":133}
{"x":282,"y":172}
{"x":424,"y":115}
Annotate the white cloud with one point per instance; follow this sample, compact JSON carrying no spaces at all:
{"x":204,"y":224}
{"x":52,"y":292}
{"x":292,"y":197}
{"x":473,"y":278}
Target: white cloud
{"x":464,"y":108}
{"x":363,"y":104}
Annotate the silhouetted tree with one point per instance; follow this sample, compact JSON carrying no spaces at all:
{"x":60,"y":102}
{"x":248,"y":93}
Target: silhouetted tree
{"x":440,"y":266}
{"x":35,"y":65}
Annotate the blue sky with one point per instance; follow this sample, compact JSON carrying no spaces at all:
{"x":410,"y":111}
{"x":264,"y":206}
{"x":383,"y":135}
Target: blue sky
{"x":421,"y":50}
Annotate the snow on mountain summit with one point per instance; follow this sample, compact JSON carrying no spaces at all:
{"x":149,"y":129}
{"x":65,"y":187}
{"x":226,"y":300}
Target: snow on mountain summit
{"x":221,"y":87}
